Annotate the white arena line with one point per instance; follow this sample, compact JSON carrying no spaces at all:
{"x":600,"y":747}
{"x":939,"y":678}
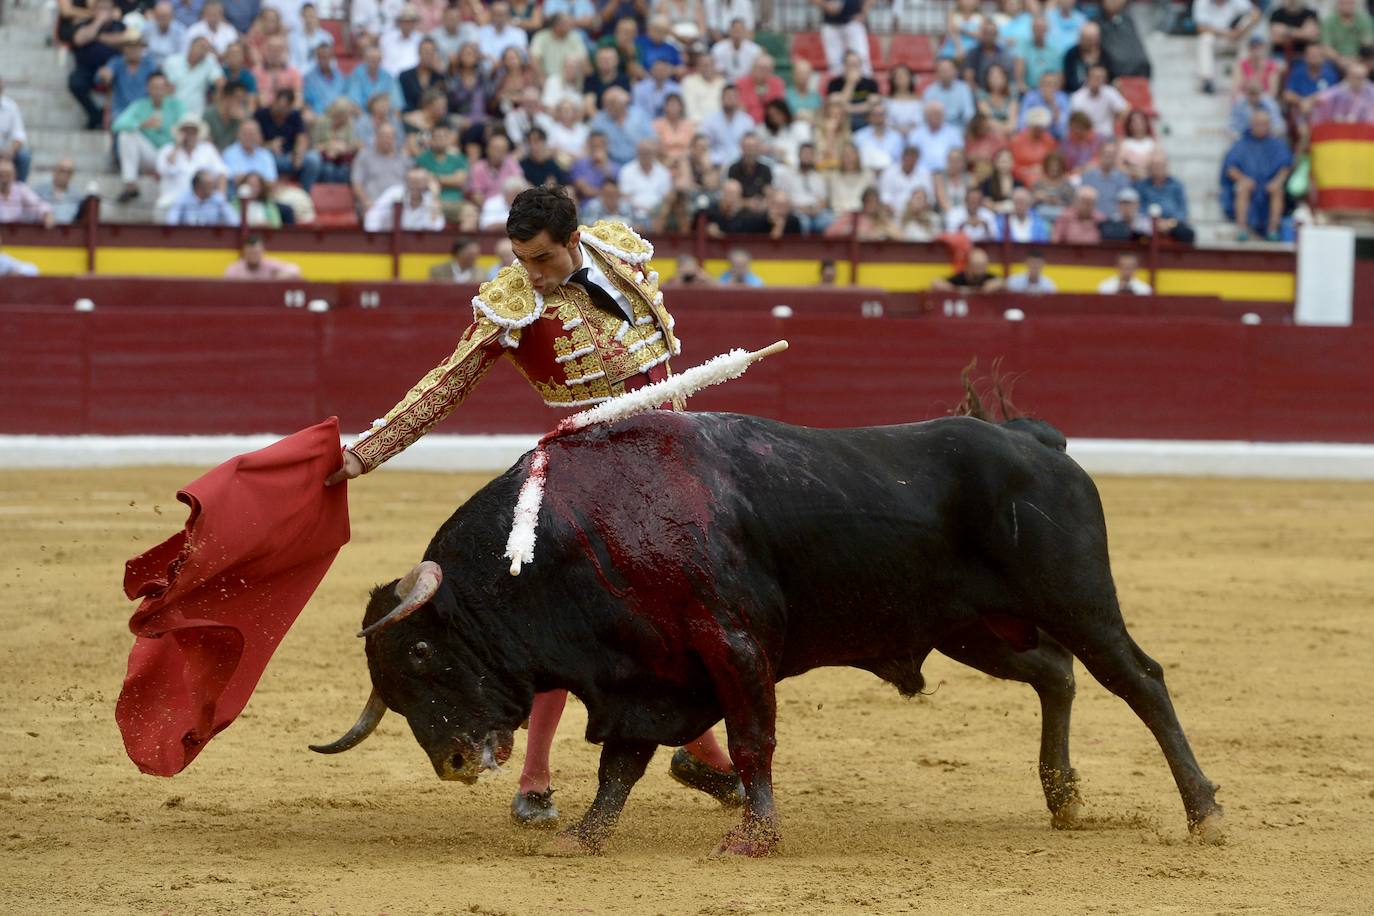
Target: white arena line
{"x":1293,"y":460}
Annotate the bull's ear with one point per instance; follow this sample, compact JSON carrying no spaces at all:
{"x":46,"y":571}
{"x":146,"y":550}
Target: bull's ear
{"x":445,"y":602}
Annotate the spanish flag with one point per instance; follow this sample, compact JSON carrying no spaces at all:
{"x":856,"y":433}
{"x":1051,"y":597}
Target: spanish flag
{"x":1341,"y":166}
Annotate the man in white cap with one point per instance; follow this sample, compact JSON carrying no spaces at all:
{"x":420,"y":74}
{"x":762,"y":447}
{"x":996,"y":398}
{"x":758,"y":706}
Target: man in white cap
{"x":179,"y":161}
{"x":1128,"y":224}
{"x":400,"y":44}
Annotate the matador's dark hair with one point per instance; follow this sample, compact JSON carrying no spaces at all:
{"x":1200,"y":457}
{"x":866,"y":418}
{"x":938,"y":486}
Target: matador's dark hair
{"x":537,"y":209}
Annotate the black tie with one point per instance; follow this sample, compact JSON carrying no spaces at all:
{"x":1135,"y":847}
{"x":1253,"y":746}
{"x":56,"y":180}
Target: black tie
{"x":602,"y":298}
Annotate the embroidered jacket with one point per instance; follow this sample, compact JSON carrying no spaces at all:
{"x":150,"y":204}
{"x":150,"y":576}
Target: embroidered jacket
{"x":571,"y":351}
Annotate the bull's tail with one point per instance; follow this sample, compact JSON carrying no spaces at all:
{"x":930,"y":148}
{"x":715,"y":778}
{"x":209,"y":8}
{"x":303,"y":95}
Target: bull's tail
{"x":989,"y":399}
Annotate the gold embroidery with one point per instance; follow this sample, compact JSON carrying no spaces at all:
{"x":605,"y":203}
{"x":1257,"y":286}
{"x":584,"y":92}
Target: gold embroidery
{"x":508,"y":299}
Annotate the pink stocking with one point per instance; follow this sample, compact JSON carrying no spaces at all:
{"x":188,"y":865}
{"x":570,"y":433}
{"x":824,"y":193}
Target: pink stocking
{"x":544,"y":716}
{"x":706,"y":749}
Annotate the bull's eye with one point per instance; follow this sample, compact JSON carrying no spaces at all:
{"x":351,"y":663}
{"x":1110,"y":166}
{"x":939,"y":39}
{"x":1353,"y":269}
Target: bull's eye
{"x":419,"y":654}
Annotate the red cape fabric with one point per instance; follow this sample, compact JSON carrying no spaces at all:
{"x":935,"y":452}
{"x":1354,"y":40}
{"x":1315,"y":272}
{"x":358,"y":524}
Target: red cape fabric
{"x":219,"y":595}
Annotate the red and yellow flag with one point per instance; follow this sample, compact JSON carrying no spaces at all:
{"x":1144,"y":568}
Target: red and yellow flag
{"x":1341,"y":166}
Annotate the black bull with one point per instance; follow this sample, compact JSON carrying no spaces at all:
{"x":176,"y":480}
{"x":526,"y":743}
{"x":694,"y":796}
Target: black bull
{"x":687,"y":562}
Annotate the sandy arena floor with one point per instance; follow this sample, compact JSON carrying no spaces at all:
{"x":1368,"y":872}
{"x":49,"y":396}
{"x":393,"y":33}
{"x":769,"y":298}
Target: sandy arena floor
{"x":1255,"y":596}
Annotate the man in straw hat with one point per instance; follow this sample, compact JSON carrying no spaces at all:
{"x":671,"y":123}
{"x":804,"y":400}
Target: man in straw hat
{"x":189,"y":153}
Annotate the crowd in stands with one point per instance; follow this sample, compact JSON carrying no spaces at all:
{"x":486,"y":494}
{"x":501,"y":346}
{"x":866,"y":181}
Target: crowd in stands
{"x":664,"y":112}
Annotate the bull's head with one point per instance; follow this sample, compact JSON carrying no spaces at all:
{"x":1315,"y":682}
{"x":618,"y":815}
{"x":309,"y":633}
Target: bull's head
{"x":459,"y":707}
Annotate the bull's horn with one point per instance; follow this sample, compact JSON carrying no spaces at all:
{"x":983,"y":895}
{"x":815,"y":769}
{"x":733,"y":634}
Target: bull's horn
{"x":415,"y":590}
{"x":366,"y":724}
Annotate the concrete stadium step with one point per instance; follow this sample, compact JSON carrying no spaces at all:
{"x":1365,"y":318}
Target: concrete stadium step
{"x":30,"y":57}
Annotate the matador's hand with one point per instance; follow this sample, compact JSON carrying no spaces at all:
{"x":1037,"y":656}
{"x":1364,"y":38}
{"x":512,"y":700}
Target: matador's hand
{"x":352,"y":467}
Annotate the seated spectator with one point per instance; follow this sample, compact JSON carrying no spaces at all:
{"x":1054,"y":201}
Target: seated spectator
{"x":18,"y":202}
{"x":953,"y":182}
{"x":729,"y":216}
{"x":223,"y":118}
{"x":759,"y":87}
{"x":1103,"y":105}
{"x":726,"y":128}
{"x":1221,"y":25}
{"x":645,"y":182}
{"x":58,"y":193}
{"x":1049,"y":96}
{"x":500,"y":33}
{"x":178,"y":162}
{"x":1124,"y":280}
{"x":567,"y":132}
{"x":490,"y":173}
{"x":880,"y":145}
{"x":527,"y":15}
{"x":777,"y":210}
{"x":324,"y":81}
{"x":1030,"y":146}
{"x":1077,"y":224}
{"x":255,"y":265}
{"x":935,"y":137}
{"x":1040,"y":54}
{"x":953,"y":95}
{"x":1252,"y":99}
{"x":1348,"y":32}
{"x":656,"y":44}
{"x":1013,"y":25}
{"x":1163,"y":197}
{"x":832,"y":133}
{"x":607,"y":204}
{"x":400,"y":44}
{"x":594,"y":169}
{"x":918,"y":221}
{"x":606,"y":75}
{"x":689,"y":272}
{"x":242,"y":14}
{"x":426,"y":75}
{"x":553,"y":47}
{"x":431,"y":113}
{"x":972,"y":218}
{"x":127,"y":74}
{"x":859,"y":92}
{"x":849,"y":181}
{"x":213,"y":27}
{"x":305,"y":38}
{"x":829,"y":273}
{"x":1066,"y":23}
{"x":624,"y":127}
{"x":202,"y":204}
{"x":1082,"y":145}
{"x":782,"y":134}
{"x":652,"y":92}
{"x":461,"y":266}
{"x":448,"y":168}
{"x":999,"y":102}
{"x":674,"y":129}
{"x":266,"y":26}
{"x":903,"y":178}
{"x":419,"y":203}
{"x":904,"y":107}
{"x":163,"y":33}
{"x":1054,"y":191}
{"x":453,"y":32}
{"x":985,"y":55}
{"x":334,"y":137}
{"x":735,"y":54}
{"x":741,"y":272}
{"x":143,"y":129}
{"x":14,"y":142}
{"x":701,"y":89}
{"x":809,"y":191}
{"x":194,"y":74}
{"x":1001,"y":181}
{"x":96,"y":40}
{"x":468,"y":94}
{"x":284,"y":133}
{"x":539,"y":165}
{"x":871,"y":222}
{"x":1292,"y":27}
{"x":1252,"y":180}
{"x":1107,"y":178}
{"x":1308,"y":78}
{"x":369,"y":78}
{"x":1258,"y":65}
{"x":720,"y":17}
{"x":10,"y":266}
{"x":1138,"y":144}
{"x":234,"y":63}
{"x":1082,"y":57}
{"x":1127,"y":224}
{"x":1121,"y":43}
{"x":247,"y":156}
{"x":697,"y":173}
{"x":1032,"y":280}
{"x":379,"y":167}
{"x":505,"y":256}
{"x":974,"y":278}
{"x":1350,"y":101}
{"x":982,"y":143}
{"x":569,"y":83}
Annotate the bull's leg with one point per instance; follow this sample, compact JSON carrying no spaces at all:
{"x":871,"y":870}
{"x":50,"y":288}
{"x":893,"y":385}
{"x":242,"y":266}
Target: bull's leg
{"x":744,"y":684}
{"x":1049,"y":670}
{"x":622,"y":764}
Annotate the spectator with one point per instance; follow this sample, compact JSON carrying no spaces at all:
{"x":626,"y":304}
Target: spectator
{"x":701,"y":89}
{"x":1125,"y":280}
{"x":606,"y":74}
{"x":753,"y":175}
{"x":194,"y":74}
{"x":275,"y":73}
{"x":501,"y":33}
{"x":607,"y":204}
{"x":982,"y":142}
{"x":222,"y":119}
{"x":18,"y":202}
{"x":468,"y":95}
{"x":832,"y":132}
{"x":674,"y":130}
{"x":808,"y":190}
{"x":306,"y":38}
{"x":241,"y":14}
{"x":539,"y":165}
{"x":974,"y":278}
{"x":965,"y":22}
{"x":1100,"y":102}
{"x":984,"y":55}
{"x":255,"y":265}
{"x":143,"y":129}
{"x":1054,"y":191}
{"x":860,"y":93}
{"x":1066,"y":23}
{"x":879,"y":145}
{"x":213,"y":27}
{"x":726,"y":128}
{"x":848,"y":182}
{"x":782,"y":135}
{"x":721,"y":15}
{"x":955,"y":97}
{"x":1030,"y":146}
{"x":400,"y":44}
{"x":324,"y":82}
{"x":802,"y":96}
{"x":870,"y":222}
{"x":1292,"y":27}
{"x":567,"y":132}
{"x":1121,"y":43}
{"x":234,"y":63}
{"x":1014,"y":24}
{"x":202,"y":204}
{"x":10,"y":266}
{"x":919,"y":222}
{"x":651,"y":92}
{"x":369,"y":78}
{"x":420,"y":211}
{"x":645,"y":182}
{"x":336,"y":140}
{"x":1127,"y":224}
{"x":461,"y":266}
{"x":972,"y":218}
{"x":569,"y":84}
{"x":1224,"y":23}
{"x":426,"y":75}
{"x":594,"y":169}
{"x":285,"y":134}
{"x":494,"y":169}
{"x":1032,"y":280}
{"x":903,"y":106}
{"x":127,"y":74}
{"x":935,"y":137}
{"x":1138,"y":144}
{"x":999,"y":101}
{"x":1348,"y":33}
{"x":1349,"y":102}
{"x":247,"y":156}
{"x":528,"y":15}
{"x":778,"y":212}
{"x":1077,"y":224}
{"x":760,"y":87}
{"x":1039,"y":54}
{"x":187,"y":12}
{"x":96,"y":40}
{"x":1001,"y":181}
{"x":448,"y":170}
{"x":266,"y":25}
{"x":1308,"y":78}
{"x":163,"y":33}
{"x":1082,"y":57}
{"x":623,"y":39}
{"x":1162,"y":196}
{"x":690,"y":273}
{"x":829,"y":273}
{"x":1259,"y":65}
{"x":902,"y":178}
{"x":734,"y":55}
{"x":14,"y":142}
{"x":1107,"y":178}
{"x":180,"y":161}
{"x":554,"y":46}
{"x":622,"y":125}
{"x":843,"y":32}
{"x":952,"y":184}
{"x":505,"y":257}
{"x":730,"y":216}
{"x":1252,"y":180}
{"x":741,"y":272}
{"x":453,"y":32}
{"x":58,"y":193}
{"x":1049,"y":96}
{"x":656,"y":45}
{"x":1081,"y":146}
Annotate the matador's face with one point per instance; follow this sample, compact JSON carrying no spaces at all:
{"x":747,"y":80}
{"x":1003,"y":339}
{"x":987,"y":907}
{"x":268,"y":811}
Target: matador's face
{"x":548,"y":262}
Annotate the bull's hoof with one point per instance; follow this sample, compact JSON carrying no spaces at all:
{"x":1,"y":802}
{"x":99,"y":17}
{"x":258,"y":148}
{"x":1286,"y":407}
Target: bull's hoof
{"x":749,"y":843}
{"x":568,"y":845}
{"x":534,"y":809}
{"x":725,"y":788}
{"x":1211,"y":829}
{"x":1068,"y":815}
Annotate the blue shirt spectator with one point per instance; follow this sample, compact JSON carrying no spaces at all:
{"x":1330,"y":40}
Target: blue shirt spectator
{"x":240,"y":161}
{"x":725,"y":129}
{"x":1059,"y":126}
{"x":128,"y":86}
{"x":1304,"y":81}
{"x":321,"y":88}
{"x":586,"y":171}
{"x":651,"y":50}
{"x":241,"y":13}
{"x":162,"y":45}
{"x":1167,"y":194}
{"x":935,"y":144}
{"x":187,"y":12}
{"x":1248,"y":104}
{"x":649,"y":96}
{"x":190,"y":209}
{"x":956,"y":97}
{"x":363,"y":85}
{"x":1065,"y":27}
{"x":623,"y":126}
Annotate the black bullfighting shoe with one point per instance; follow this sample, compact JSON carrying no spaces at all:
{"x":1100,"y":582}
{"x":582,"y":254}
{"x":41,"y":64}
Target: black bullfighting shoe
{"x":725,"y":788}
{"x":534,"y":809}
